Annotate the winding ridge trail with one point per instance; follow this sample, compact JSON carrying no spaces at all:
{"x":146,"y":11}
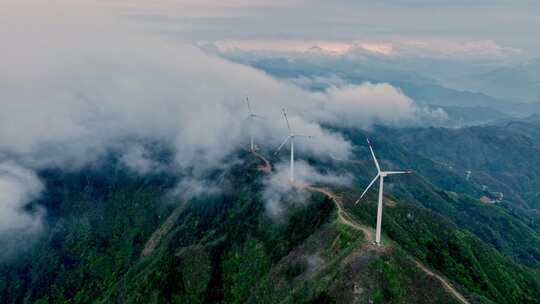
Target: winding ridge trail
{"x":346,"y":219}
{"x":266,"y":167}
{"x":343,"y":216}
{"x":444,"y":282}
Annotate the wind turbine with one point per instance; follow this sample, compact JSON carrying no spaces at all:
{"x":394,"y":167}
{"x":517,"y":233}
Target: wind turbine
{"x":251,"y":117}
{"x":380,"y":175}
{"x":290,"y":138}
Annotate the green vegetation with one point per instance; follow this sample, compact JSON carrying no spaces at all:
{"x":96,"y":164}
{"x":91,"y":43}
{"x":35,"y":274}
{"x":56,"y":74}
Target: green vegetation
{"x":225,"y":248}
{"x":457,"y":253}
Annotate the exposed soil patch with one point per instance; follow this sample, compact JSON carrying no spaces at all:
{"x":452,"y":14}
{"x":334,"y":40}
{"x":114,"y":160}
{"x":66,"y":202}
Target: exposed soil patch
{"x":152,"y":243}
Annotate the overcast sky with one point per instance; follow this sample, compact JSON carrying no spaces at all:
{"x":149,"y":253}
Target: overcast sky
{"x":512,"y":24}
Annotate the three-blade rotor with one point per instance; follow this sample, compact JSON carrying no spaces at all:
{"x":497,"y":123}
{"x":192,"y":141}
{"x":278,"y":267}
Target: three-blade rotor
{"x":291,"y":133}
{"x":380,"y":173}
{"x":251,"y":114}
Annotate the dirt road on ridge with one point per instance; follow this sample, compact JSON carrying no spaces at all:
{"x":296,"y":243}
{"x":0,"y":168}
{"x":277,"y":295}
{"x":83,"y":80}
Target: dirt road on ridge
{"x":346,"y":219}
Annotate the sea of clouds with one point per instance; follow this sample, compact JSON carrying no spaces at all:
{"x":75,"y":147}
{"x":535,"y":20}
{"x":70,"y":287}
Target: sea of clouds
{"x":77,"y":80}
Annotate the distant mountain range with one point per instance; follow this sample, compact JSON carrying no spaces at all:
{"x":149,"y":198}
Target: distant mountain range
{"x":519,"y":82}
{"x":469,"y":99}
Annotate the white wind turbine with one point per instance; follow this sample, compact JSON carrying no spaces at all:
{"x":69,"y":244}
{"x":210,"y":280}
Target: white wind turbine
{"x":251,"y":117}
{"x":290,"y":138}
{"x":380,"y":175}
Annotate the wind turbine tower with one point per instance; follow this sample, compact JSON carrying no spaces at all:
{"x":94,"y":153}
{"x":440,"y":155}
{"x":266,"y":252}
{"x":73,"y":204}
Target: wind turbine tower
{"x":251,"y":118}
{"x":290,"y":138}
{"x":380,"y":175}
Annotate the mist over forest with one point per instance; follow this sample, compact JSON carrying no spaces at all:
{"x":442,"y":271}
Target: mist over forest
{"x":127,"y":176}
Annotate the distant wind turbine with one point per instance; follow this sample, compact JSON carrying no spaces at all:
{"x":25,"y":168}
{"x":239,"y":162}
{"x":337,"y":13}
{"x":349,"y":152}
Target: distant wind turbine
{"x":290,"y":138}
{"x":380,"y":175}
{"x":251,"y":117}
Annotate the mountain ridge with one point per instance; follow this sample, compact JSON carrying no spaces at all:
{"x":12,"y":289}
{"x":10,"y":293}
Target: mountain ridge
{"x":245,"y":256}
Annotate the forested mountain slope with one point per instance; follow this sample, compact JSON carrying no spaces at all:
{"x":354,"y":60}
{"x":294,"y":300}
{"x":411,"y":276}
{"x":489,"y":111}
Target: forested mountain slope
{"x":115,"y":237}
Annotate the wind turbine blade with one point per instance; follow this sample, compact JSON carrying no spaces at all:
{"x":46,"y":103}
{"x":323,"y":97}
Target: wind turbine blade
{"x":282,"y":144}
{"x":367,"y":188}
{"x":374,"y":158}
{"x":258,"y":116}
{"x":304,"y":136}
{"x":398,"y":172}
{"x":249,"y":106}
{"x":286,"y":119}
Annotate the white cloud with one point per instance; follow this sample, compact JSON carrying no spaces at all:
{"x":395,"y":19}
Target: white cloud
{"x":66,"y":102}
{"x":75,"y":85}
{"x":402,"y":47}
{"x":18,"y":187}
{"x":137,"y":158}
{"x":279,"y":193}
{"x":324,"y":47}
{"x":467,"y":50}
{"x":366,"y":104}
{"x":190,"y":188}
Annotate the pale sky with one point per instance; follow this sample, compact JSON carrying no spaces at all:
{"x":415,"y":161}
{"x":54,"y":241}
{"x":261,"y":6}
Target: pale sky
{"x":504,"y":24}
{"x":511,"y":24}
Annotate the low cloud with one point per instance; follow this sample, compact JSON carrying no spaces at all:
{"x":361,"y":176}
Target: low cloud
{"x":279,"y":193}
{"x":190,"y":188}
{"x":77,"y":85}
{"x":140,"y":160}
{"x":19,"y":223}
{"x":66,"y":103}
{"x":361,"y":106}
